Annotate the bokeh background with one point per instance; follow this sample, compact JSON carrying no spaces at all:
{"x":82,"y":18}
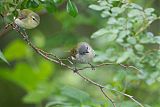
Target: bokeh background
{"x":32,"y":81}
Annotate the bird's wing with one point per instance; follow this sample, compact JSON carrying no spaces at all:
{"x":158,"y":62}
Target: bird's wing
{"x":73,"y":52}
{"x":22,"y":15}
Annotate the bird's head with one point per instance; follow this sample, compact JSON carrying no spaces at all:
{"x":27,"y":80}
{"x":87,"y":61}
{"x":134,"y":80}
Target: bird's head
{"x":83,"y":48}
{"x":34,"y":19}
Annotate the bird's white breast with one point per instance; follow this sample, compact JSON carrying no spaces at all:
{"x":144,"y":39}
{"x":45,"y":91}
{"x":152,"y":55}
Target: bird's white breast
{"x":25,"y":23}
{"x":87,"y":58}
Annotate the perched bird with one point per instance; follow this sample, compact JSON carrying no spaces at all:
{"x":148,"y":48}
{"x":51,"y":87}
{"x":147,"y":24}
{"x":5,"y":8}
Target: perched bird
{"x":27,"y":19}
{"x":83,"y":53}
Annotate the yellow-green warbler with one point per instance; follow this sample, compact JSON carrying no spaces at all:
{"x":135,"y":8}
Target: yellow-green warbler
{"x":27,"y":19}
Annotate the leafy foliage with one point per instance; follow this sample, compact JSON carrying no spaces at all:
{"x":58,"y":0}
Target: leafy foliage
{"x":125,"y":32}
{"x":71,"y":8}
{"x":125,"y":36}
{"x":10,"y":8}
{"x":75,"y":94}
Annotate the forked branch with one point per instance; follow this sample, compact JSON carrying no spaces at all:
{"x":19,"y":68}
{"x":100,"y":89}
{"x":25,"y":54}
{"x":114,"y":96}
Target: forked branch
{"x":53,"y":58}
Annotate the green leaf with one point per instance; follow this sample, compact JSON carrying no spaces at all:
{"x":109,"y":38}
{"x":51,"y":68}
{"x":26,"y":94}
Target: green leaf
{"x":157,"y":39}
{"x":34,"y":4}
{"x":135,"y":6}
{"x":131,"y":40}
{"x":152,"y":78}
{"x":124,"y":33}
{"x":112,"y":21}
{"x":28,"y":4}
{"x":99,"y":33}
{"x":58,"y":1}
{"x":117,"y":10}
{"x":76,"y":94}
{"x":134,"y":13}
{"x":24,"y":4}
{"x":55,"y":103}
{"x":147,"y":38}
{"x":96,"y":7}
{"x":105,"y":13}
{"x":50,"y":6}
{"x":139,"y":47}
{"x":109,"y":34}
{"x":71,"y":8}
{"x":148,"y":11}
{"x":124,"y":56}
{"x":3,"y":57}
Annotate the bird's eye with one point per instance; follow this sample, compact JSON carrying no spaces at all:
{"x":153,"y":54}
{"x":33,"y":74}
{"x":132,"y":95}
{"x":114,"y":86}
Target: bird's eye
{"x":87,"y":48}
{"x":34,"y":19}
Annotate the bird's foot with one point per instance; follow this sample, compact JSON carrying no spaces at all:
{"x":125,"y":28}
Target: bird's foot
{"x":7,"y":26}
{"x":92,"y":67}
{"x":75,"y":70}
{"x":25,"y":35}
{"x":15,"y":26}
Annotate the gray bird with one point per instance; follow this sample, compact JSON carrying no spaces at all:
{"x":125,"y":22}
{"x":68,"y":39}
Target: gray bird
{"x":83,"y":53}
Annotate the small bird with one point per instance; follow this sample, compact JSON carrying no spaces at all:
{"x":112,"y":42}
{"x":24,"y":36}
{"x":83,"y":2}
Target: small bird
{"x":83,"y":53}
{"x":27,"y":19}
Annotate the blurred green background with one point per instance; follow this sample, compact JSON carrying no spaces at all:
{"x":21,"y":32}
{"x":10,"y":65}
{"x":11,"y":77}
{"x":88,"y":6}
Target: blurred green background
{"x":31,"y":81}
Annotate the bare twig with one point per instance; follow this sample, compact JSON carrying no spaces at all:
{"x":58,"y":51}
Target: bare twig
{"x":129,"y":96}
{"x":98,"y":85}
{"x":130,"y":66}
{"x":108,"y":97}
{"x":39,"y":51}
{"x":103,"y":87}
{"x":4,"y":31}
{"x":53,"y":58}
{"x":89,"y":80}
{"x":104,"y":64}
{"x":145,"y":26}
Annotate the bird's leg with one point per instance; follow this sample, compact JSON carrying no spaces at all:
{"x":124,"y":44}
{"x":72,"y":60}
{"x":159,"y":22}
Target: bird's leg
{"x":92,"y":66}
{"x":68,"y":59}
{"x":13,"y":25}
{"x":9,"y":25}
{"x":25,"y":34}
{"x":75,"y":67}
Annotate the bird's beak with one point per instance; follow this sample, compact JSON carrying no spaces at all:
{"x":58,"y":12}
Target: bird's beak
{"x":87,"y":51}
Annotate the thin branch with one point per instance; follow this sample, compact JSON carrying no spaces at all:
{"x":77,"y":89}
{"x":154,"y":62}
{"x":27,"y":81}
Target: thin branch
{"x":39,"y":51}
{"x":129,"y":96}
{"x":89,"y":80}
{"x":4,"y":31}
{"x":96,"y":66}
{"x":104,"y":64}
{"x":103,"y":87}
{"x":146,"y":26}
{"x":108,"y":97}
{"x":130,"y":66}
{"x":143,"y":28}
{"x":57,"y":60}
{"x":98,"y":85}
